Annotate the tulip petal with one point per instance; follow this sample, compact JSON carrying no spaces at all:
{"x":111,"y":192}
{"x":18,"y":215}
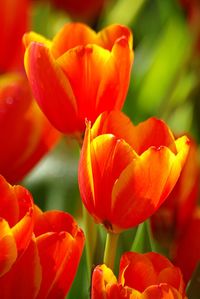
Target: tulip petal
{"x":60,"y":243}
{"x":59,"y":256}
{"x":9,"y":209}
{"x":61,"y":112}
{"x":162,"y":291}
{"x":101,"y":276}
{"x":8,"y":249}
{"x":145,"y":184}
{"x":85,"y":174}
{"x":136,"y":271}
{"x":139,"y":271}
{"x":115,"y":78}
{"x":109,"y":35}
{"x":24,"y":279}
{"x":115,"y":123}
{"x":23,"y":229}
{"x":156,"y":134}
{"x":109,"y":157}
{"x":35,"y":37}
{"x":91,"y":66}
{"x":71,"y":36}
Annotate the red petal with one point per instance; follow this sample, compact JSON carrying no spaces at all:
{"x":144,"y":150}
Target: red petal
{"x":23,"y":280}
{"x":8,"y":247}
{"x":71,"y":36}
{"x":53,"y":92}
{"x":59,"y":256}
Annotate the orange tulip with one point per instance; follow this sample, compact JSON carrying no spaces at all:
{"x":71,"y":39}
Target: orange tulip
{"x":186,"y":252}
{"x":172,"y":218}
{"x":16,"y":223}
{"x":79,"y":74}
{"x":25,"y":133}
{"x":51,"y":244}
{"x":126,"y":171}
{"x":141,"y":276}
{"x":14,"y":16}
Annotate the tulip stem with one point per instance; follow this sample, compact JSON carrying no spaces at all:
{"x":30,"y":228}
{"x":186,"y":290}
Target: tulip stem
{"x":110,"y":249}
{"x":91,"y":238}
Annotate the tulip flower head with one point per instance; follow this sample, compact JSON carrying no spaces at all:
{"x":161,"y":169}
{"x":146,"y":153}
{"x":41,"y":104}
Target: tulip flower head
{"x":40,"y":252}
{"x":141,"y":276}
{"x":16,"y":223}
{"x":126,"y":171}
{"x":25,"y":133}
{"x":80,"y":73}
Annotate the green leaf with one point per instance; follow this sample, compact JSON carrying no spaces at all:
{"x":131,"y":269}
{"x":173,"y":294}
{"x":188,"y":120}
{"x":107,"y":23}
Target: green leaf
{"x":143,"y":241}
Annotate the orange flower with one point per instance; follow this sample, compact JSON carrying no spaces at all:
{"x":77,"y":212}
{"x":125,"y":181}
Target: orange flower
{"x":51,"y":255}
{"x":13,"y":24}
{"x":25,"y":133}
{"x":141,"y":276}
{"x":173,"y":216}
{"x":186,"y":252}
{"x":127,"y":171}
{"x":16,"y":223}
{"x":80,"y":73}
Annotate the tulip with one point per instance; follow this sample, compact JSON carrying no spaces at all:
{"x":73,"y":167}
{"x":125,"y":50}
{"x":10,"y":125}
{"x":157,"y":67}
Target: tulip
{"x":40,"y":252}
{"x":16,"y":223}
{"x":14,"y":15}
{"x":126,"y":171}
{"x":172,"y":218}
{"x":187,"y":259}
{"x":141,"y":276}
{"x":79,"y":74}
{"x":25,"y":133}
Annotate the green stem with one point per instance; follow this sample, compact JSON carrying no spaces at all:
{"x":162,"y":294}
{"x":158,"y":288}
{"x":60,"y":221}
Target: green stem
{"x":110,"y":249}
{"x":91,"y":238}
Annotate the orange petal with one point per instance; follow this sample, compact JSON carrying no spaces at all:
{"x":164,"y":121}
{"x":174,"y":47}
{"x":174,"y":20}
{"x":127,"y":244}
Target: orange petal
{"x":33,"y":135}
{"x":53,"y":92}
{"x":24,"y":279}
{"x":109,"y":156}
{"x":55,"y":221}
{"x":162,"y":291}
{"x":101,"y":163}
{"x":71,"y":36}
{"x":136,"y":271}
{"x":101,"y":277}
{"x":8,"y":249}
{"x":146,"y":183}
{"x":85,"y":174}
{"x":152,"y":132}
{"x":35,"y":37}
{"x":94,"y":78}
{"x":23,"y":229}
{"x":113,"y":122}
{"x":139,"y":271}
{"x":109,"y":35}
{"x":14,"y":16}
{"x":59,"y":256}
{"x":9,"y":209}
